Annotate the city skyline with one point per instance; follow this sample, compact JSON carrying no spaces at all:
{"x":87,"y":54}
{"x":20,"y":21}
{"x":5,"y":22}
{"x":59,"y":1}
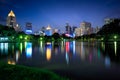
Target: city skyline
{"x":57,"y":13}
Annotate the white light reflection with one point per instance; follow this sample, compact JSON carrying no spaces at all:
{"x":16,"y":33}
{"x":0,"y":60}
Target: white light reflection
{"x":62,"y":46}
{"x":28,"y":50}
{"x":115,"y":47}
{"x":1,"y":47}
{"x":4,"y":48}
{"x":17,"y":55}
{"x":74,"y":47}
{"x":67,"y":58}
{"x":82,"y":54}
{"x":41,"y":47}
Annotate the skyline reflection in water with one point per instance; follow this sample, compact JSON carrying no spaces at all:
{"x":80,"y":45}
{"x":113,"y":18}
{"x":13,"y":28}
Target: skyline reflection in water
{"x":63,"y":53}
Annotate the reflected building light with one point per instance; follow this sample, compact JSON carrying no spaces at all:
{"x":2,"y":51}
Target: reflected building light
{"x":103,"y":45}
{"x":1,"y":47}
{"x":48,"y":50}
{"x":6,"y":48}
{"x":29,"y":50}
{"x":25,"y":44}
{"x":56,"y":50}
{"x":64,"y":41}
{"x":67,"y":46}
{"x":48,"y":43}
{"x":67,"y":58}
{"x":41,"y":43}
{"x":74,"y":47}
{"x":115,"y":47}
{"x":62,"y":46}
{"x":41,"y":47}
{"x":12,"y":62}
{"x":21,"y":47}
{"x":17,"y":55}
{"x":13,"y":48}
{"x":48,"y":54}
{"x":82,"y":54}
{"x":107,"y":61}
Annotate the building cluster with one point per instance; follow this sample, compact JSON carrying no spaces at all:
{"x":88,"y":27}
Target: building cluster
{"x":48,"y":31}
{"x":84,"y":29}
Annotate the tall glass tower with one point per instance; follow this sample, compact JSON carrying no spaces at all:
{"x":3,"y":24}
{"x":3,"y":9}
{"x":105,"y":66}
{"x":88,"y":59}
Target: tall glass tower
{"x":11,"y":19}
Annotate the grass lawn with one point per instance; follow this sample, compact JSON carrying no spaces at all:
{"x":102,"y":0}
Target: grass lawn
{"x":17,"y":72}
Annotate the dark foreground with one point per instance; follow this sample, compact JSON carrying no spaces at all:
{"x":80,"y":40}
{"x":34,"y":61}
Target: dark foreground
{"x":89,"y":74}
{"x":14,"y":72}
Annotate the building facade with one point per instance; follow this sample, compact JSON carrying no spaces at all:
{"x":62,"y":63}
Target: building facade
{"x":48,"y":31}
{"x":11,"y":19}
{"x":68,"y":29}
{"x":28,"y":28}
{"x":84,"y":29}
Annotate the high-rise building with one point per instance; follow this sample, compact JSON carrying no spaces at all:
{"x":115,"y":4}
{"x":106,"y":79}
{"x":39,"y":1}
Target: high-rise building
{"x":11,"y":19}
{"x":84,"y":29}
{"x":78,"y":31}
{"x":48,"y":31}
{"x":68,"y":28}
{"x":28,"y":28}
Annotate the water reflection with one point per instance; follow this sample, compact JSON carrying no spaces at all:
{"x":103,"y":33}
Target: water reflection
{"x":4,"y":48}
{"x":115,"y":47}
{"x":107,"y":61}
{"x":48,"y":50}
{"x":28,"y":47}
{"x":64,"y":52}
{"x":73,"y":47}
{"x":41,"y":47}
{"x":21,"y":47}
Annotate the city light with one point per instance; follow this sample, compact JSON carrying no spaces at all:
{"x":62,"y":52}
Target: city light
{"x":26,"y":38}
{"x":21,"y":37}
{"x":41,"y":38}
{"x":115,"y":37}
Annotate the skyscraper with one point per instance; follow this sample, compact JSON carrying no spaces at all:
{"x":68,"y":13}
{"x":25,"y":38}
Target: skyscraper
{"x":84,"y":29}
{"x":11,"y":19}
{"x":48,"y":31}
{"x":28,"y":28}
{"x":68,"y":28}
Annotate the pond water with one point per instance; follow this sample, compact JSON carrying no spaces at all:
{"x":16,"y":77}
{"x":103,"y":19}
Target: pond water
{"x":68,"y":58}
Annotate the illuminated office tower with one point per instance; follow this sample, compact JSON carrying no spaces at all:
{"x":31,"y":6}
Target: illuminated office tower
{"x":11,"y":19}
{"x":28,"y":28}
{"x":85,"y":28}
{"x":68,"y":28}
{"x":48,"y":31}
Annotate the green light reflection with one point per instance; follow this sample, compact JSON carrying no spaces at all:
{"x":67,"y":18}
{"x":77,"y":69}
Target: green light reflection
{"x":21,"y":46}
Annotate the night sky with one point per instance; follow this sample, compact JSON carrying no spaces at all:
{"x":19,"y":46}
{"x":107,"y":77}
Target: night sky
{"x":57,"y":13}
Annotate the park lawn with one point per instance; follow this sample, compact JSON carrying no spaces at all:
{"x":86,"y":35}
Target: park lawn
{"x":17,"y":72}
